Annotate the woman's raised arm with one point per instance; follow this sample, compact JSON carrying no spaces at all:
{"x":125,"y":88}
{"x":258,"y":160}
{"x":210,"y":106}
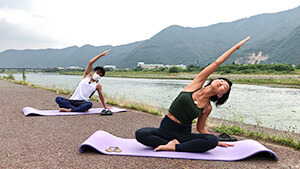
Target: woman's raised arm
{"x":199,"y":80}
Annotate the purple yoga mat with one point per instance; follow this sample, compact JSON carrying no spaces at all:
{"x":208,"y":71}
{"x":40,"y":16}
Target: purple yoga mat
{"x":32,"y":111}
{"x":102,"y":140}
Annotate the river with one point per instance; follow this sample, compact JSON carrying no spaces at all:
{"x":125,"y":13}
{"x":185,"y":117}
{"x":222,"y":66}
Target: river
{"x":271,"y":107}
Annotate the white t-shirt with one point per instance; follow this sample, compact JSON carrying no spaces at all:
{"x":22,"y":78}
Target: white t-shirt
{"x":84,"y":90}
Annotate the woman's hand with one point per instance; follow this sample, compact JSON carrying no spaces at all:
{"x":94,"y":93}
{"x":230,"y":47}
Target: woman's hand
{"x":222,"y":144}
{"x":105,"y":52}
{"x":242,"y":42}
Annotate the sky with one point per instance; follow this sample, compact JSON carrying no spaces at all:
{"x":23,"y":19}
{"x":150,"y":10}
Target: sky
{"x":39,"y":24}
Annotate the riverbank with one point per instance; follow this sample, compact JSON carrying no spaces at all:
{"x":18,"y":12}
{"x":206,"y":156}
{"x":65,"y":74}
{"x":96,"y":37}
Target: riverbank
{"x":52,"y":142}
{"x":274,"y":80}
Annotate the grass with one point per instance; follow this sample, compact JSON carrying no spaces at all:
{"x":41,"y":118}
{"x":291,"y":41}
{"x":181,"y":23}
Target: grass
{"x":236,"y":130}
{"x":9,"y":77}
{"x":289,"y":80}
{"x":144,"y":107}
{"x":58,"y":91}
{"x":228,"y":129}
{"x":271,"y":79}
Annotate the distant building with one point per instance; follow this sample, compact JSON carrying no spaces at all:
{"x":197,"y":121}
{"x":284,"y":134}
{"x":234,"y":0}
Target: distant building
{"x":149,"y":66}
{"x":111,"y":67}
{"x":157,"y":66}
{"x":140,"y":64}
{"x":181,"y":65}
{"x":75,"y":68}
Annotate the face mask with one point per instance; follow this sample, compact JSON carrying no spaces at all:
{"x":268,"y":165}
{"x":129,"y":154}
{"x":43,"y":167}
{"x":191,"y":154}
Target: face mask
{"x":96,"y":77}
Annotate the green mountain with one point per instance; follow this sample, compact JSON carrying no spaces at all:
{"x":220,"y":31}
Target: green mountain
{"x":71,"y":56}
{"x":288,"y":52}
{"x":176,"y":44}
{"x":275,"y":38}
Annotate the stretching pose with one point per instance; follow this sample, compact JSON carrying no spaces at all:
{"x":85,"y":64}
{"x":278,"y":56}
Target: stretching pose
{"x":80,"y":100}
{"x":174,"y":133}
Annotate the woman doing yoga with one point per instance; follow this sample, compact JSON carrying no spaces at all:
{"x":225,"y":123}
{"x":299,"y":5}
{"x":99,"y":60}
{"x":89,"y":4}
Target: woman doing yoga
{"x":174,"y":133}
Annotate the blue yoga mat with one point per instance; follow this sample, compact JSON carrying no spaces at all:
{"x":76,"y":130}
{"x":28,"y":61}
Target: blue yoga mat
{"x":102,"y":140}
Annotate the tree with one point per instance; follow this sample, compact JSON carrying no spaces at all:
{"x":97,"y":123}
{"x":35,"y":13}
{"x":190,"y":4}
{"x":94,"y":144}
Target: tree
{"x":191,"y":68}
{"x":174,"y":69}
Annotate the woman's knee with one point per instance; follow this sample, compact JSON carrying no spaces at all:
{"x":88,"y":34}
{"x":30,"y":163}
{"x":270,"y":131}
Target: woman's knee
{"x":141,"y":134}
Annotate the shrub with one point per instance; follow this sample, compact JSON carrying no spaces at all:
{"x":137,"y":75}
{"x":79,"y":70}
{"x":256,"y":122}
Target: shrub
{"x":10,"y":77}
{"x":174,"y":69}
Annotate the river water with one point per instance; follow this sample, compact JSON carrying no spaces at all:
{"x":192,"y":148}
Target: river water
{"x":271,"y":107}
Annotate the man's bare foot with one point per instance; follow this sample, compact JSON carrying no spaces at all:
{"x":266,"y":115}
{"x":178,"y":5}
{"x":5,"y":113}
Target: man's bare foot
{"x":64,"y":110}
{"x":168,"y":147}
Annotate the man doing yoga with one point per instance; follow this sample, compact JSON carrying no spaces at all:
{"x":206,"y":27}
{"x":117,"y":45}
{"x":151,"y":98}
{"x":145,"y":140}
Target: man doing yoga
{"x":80,"y":100}
{"x":174,"y":133}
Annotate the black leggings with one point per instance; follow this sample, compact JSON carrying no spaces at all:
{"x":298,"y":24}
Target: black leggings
{"x":169,"y":130}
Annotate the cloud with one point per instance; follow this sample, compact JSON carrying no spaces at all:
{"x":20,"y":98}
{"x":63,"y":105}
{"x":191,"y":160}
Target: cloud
{"x":21,"y":28}
{"x":62,"y":23}
{"x":15,"y":36}
{"x":15,"y":4}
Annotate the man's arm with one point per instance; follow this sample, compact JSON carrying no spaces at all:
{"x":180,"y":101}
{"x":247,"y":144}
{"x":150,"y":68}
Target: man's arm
{"x":101,"y":97}
{"x":91,"y":62}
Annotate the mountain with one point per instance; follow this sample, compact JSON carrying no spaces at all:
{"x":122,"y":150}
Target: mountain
{"x":176,"y":44}
{"x":289,"y":50}
{"x":71,"y":56}
{"x":275,"y":38}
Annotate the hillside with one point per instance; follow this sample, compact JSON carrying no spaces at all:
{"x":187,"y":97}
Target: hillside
{"x":289,"y":50}
{"x":71,"y":56}
{"x":275,"y":39}
{"x":176,"y":44}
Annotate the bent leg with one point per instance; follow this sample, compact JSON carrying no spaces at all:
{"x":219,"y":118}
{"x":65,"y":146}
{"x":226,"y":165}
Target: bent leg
{"x":192,"y":142}
{"x":83,"y":107}
{"x":152,"y":137}
{"x":63,"y":103}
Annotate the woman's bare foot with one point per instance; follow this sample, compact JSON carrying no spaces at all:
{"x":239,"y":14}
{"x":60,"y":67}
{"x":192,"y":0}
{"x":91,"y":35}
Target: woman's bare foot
{"x":64,"y":110}
{"x":168,"y":147}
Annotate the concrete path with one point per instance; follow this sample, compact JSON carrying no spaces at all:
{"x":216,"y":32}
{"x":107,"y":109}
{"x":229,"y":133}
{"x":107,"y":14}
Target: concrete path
{"x":53,"y":142}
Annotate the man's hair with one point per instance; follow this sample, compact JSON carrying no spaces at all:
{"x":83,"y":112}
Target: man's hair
{"x":100,"y":69}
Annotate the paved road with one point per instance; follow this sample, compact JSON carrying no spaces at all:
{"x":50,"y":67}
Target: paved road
{"x":53,"y":142}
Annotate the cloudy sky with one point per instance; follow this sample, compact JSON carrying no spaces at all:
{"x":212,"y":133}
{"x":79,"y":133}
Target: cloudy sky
{"x":35,"y":24}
